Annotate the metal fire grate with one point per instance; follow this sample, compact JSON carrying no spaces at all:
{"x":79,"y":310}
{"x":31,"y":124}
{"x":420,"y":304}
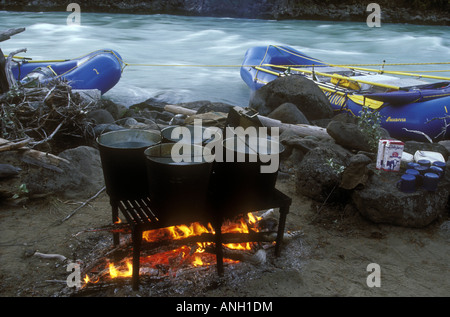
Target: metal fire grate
{"x":141,"y":216}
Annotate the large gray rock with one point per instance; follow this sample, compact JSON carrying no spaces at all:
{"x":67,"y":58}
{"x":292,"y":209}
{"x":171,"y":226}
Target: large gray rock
{"x":301,"y":92}
{"x":380,"y":201}
{"x":316,"y":178}
{"x":82,"y":177}
{"x":289,"y":113}
{"x":356,"y":173}
{"x":348,"y":135}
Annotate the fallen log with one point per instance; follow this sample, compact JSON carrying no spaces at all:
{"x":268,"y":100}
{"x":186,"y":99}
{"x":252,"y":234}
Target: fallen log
{"x":42,"y":159}
{"x":299,"y":129}
{"x":6,"y":35}
{"x":180,"y":110}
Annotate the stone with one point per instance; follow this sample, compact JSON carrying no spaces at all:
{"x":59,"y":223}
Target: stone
{"x":301,"y":92}
{"x":289,"y":113}
{"x":446,"y":144}
{"x":150,"y":104}
{"x":216,"y":107}
{"x":382,"y":202}
{"x":105,"y":127}
{"x":116,"y":110}
{"x":316,"y":178}
{"x":100,"y":116}
{"x":88,"y":96}
{"x":82,"y":177}
{"x":8,"y":170}
{"x":356,"y":173}
{"x":349,"y":135}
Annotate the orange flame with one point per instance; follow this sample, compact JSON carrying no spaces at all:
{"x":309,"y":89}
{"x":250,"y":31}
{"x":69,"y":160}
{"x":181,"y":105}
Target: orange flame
{"x":114,"y":272}
{"x":87,"y":280}
{"x":179,"y":255}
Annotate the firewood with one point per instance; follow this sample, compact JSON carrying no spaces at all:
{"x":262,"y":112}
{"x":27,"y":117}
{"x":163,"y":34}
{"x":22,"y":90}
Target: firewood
{"x":6,"y":145}
{"x":42,"y":159}
{"x":256,"y":258}
{"x":179,"y":110}
{"x":84,"y":204}
{"x":50,"y":256}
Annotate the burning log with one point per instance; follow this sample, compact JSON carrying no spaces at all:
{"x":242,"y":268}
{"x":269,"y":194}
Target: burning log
{"x":257,"y":258}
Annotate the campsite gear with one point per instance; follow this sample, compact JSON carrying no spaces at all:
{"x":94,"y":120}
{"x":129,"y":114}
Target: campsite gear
{"x":426,"y":163}
{"x":412,"y":165}
{"x":389,"y":155}
{"x":422,"y":169}
{"x":241,"y":173}
{"x":442,"y":165}
{"x":416,"y":173}
{"x":430,"y":182}
{"x":406,"y":104}
{"x":436,"y":170}
{"x":407,"y":183}
{"x":407,"y":157}
{"x":123,"y":161}
{"x":190,"y":134}
{"x":178,"y":180}
{"x":428,"y":155}
{"x":100,"y":70}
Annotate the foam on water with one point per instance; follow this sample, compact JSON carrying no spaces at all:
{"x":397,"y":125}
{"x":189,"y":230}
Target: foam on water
{"x":168,"y":40}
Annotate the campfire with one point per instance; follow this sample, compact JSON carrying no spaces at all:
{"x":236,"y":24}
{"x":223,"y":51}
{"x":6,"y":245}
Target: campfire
{"x":177,"y":249}
{"x":190,"y":213}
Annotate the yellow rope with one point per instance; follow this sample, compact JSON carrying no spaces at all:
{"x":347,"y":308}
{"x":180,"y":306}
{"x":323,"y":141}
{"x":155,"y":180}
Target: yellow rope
{"x":238,"y":65}
{"x":259,"y":68}
{"x":290,"y":65}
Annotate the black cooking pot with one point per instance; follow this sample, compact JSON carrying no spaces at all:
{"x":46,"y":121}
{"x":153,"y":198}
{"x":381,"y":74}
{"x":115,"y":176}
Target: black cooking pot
{"x":123,"y":161}
{"x":178,"y":180}
{"x":248,"y":168}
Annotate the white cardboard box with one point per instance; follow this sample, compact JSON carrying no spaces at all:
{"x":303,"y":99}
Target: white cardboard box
{"x":389,"y":155}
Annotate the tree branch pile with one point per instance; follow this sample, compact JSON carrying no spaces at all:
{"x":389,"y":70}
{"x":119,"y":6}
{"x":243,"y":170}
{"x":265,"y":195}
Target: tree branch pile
{"x":49,"y":115}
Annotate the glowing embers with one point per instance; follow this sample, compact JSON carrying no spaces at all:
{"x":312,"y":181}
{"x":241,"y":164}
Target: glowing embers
{"x":174,"y":249}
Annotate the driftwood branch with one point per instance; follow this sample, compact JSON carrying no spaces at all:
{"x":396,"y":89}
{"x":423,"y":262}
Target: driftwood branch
{"x":8,"y":68}
{"x":419,"y":132}
{"x":299,"y":129}
{"x":6,"y":35}
{"x":50,"y":136}
{"x":83,"y":204}
{"x":42,"y":159}
{"x":50,"y":256}
{"x":8,"y":146}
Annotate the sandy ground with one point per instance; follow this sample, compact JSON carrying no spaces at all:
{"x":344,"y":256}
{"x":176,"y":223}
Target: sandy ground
{"x":330,"y":258}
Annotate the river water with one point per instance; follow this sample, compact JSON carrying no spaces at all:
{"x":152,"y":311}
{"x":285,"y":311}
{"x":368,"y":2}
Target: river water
{"x":219,"y":44}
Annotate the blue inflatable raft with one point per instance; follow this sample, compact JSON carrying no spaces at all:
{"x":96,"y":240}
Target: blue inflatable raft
{"x":410,"y":107}
{"x":100,"y":70}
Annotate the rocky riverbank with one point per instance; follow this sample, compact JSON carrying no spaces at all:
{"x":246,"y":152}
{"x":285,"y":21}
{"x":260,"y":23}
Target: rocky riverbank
{"x":416,"y":12}
{"x":330,"y":157}
{"x":342,"y":231}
